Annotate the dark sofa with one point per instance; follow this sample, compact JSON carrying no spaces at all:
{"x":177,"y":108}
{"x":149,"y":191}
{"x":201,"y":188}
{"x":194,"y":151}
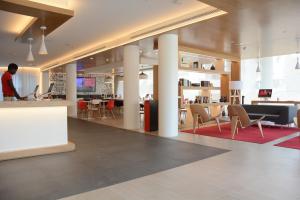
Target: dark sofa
{"x":278,"y":114}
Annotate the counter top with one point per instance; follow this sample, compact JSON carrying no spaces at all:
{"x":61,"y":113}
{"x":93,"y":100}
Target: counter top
{"x":42,"y":103}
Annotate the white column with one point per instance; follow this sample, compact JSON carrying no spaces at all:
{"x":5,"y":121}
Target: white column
{"x":71,"y":88}
{"x":131,"y":87}
{"x":168,"y":85}
{"x":266,"y":73}
{"x":44,"y":81}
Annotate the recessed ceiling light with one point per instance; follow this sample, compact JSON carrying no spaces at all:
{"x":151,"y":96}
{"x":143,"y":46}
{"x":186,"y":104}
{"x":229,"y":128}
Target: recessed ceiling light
{"x":91,"y":58}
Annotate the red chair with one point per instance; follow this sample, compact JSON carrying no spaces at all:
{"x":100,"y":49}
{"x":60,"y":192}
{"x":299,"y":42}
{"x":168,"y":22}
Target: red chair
{"x":82,"y":107}
{"x":110,"y":107}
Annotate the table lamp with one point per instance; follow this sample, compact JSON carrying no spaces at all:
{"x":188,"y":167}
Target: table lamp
{"x":235,"y":87}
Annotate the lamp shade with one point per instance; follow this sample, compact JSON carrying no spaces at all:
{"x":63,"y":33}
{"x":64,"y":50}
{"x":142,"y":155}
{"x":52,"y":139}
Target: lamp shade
{"x":236,"y":85}
{"x":297,"y":65}
{"x":43,"y":49}
{"x":143,"y":76}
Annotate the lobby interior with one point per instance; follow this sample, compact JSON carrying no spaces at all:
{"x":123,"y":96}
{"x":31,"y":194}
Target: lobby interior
{"x":140,"y":99}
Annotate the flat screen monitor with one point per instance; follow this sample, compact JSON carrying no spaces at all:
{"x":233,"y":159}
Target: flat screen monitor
{"x":86,"y":84}
{"x":265,"y":93}
{"x":50,"y":88}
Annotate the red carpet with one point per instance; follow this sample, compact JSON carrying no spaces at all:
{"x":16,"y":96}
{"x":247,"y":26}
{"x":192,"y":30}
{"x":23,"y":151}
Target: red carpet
{"x":293,"y":143}
{"x":250,"y":134}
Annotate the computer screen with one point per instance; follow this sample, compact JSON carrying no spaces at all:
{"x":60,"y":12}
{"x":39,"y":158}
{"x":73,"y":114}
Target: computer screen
{"x":265,"y":93}
{"x":50,"y":88}
{"x":36,"y":89}
{"x":86,"y":84}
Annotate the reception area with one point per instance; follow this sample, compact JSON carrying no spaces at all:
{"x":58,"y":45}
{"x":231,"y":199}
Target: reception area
{"x":160,"y":100}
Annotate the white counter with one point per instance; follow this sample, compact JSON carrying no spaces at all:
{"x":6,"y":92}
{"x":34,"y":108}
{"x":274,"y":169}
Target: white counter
{"x":27,"y":125}
{"x":43,"y":103}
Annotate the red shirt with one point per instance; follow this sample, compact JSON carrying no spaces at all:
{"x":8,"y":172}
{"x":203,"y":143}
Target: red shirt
{"x":6,"y":89}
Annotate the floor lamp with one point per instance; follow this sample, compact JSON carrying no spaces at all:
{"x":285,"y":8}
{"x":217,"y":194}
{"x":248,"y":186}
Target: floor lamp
{"x":235,"y":89}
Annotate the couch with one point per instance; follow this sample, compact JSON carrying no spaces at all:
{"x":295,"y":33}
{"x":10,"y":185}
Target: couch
{"x":279,"y":114}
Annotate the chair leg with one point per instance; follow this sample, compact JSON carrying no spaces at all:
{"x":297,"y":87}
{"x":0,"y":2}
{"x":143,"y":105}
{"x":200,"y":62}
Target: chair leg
{"x":112,"y":113}
{"x":234,"y":123}
{"x":260,"y":128}
{"x":218,"y":123}
{"x":194,"y":124}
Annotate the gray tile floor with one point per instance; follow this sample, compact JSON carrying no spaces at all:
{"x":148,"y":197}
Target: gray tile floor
{"x":248,"y":172}
{"x":104,"y":156}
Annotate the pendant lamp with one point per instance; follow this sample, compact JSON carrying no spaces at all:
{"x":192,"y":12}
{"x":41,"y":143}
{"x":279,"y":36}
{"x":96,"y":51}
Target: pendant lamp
{"x":297,"y":64}
{"x":43,"y":49}
{"x":30,"y":57}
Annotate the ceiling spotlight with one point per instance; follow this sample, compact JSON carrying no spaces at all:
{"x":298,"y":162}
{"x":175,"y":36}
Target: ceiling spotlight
{"x":43,"y":49}
{"x":30,"y":57}
{"x":107,"y":60}
{"x":91,"y":58}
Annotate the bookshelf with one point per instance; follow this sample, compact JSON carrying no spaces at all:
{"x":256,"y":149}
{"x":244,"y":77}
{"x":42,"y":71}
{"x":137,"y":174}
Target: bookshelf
{"x":210,"y":68}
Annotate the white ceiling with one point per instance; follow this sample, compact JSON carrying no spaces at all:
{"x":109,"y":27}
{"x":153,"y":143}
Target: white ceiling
{"x":94,"y":20}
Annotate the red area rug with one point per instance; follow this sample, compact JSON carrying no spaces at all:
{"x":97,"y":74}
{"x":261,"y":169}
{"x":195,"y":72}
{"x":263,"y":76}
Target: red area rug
{"x":250,"y":134}
{"x":293,"y":143}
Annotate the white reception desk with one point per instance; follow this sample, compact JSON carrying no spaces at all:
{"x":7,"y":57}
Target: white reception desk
{"x":31,"y":128}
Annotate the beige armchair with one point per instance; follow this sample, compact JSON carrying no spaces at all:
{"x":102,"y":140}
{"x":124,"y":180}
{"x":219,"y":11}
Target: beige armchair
{"x":200,"y":116}
{"x":240,"y":119}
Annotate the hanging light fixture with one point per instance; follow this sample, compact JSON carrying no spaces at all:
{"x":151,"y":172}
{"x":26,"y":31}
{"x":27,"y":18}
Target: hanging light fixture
{"x":107,"y":79}
{"x":142,"y":75}
{"x":297,"y":65}
{"x":43,"y":49}
{"x":258,"y":62}
{"x":30,"y":57}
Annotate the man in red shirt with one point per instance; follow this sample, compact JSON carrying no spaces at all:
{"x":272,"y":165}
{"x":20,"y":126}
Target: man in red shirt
{"x":8,"y":89}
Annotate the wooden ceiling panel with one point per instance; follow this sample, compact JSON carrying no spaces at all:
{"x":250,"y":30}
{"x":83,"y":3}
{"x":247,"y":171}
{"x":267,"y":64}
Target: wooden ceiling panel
{"x":249,"y":25}
{"x":44,"y":15}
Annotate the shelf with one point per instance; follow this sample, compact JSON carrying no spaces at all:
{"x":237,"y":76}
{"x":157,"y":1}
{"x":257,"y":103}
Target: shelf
{"x":203,"y":71}
{"x":199,"y":88}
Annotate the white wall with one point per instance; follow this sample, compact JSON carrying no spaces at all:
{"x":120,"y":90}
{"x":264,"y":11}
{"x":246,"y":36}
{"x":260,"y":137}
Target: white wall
{"x":24,"y":81}
{"x":282,"y":77}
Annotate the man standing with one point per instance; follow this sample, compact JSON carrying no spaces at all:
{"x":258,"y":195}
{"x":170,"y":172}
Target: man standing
{"x":8,"y":89}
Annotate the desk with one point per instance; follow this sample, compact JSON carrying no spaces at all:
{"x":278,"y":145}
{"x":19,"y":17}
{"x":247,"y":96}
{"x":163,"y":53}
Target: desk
{"x":30,"y":128}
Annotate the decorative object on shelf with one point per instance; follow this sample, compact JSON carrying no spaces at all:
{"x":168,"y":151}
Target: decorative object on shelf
{"x":205,"y":83}
{"x":184,"y":82}
{"x":196,"y":84}
{"x":235,"y":87}
{"x":196,"y":65}
{"x":297,"y":53}
{"x":43,"y":49}
{"x":213,"y":67}
{"x":30,"y":57}
{"x":223,"y":99}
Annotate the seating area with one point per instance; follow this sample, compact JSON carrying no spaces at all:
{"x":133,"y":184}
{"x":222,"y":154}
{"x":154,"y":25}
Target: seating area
{"x":279,"y":114}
